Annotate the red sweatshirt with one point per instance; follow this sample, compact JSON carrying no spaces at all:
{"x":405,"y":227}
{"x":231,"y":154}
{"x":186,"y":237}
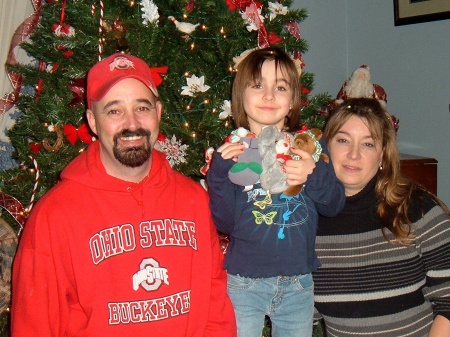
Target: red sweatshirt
{"x":100,"y":256}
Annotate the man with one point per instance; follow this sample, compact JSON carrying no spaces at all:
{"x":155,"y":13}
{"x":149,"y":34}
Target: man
{"x":122,"y":245}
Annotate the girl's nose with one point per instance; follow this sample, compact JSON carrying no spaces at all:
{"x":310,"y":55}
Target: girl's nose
{"x":268,"y":95}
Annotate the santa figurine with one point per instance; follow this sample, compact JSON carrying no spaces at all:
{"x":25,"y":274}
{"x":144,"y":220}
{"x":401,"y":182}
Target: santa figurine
{"x":359,"y":85}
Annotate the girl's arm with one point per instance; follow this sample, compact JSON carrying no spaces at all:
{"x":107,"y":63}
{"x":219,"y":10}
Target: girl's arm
{"x":221,"y":190}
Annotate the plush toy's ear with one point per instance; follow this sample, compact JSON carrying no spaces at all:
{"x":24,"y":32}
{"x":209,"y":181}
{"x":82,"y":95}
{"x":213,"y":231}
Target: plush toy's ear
{"x":317,"y":133}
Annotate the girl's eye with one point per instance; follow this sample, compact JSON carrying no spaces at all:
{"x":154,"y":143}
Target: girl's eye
{"x":281,"y":88}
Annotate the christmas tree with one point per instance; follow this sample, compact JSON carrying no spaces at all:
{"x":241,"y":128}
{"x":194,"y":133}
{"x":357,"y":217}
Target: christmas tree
{"x":199,"y":41}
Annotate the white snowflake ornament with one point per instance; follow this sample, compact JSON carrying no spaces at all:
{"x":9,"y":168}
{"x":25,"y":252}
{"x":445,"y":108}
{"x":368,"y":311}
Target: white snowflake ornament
{"x":174,"y":150}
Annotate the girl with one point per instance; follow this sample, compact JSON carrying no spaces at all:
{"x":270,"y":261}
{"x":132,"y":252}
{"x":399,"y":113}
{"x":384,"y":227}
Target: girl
{"x":271,"y":254}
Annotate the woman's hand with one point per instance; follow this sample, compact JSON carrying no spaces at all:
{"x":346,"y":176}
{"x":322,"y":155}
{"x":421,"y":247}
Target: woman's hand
{"x":231,"y":150}
{"x":440,"y":327}
{"x":298,"y":170}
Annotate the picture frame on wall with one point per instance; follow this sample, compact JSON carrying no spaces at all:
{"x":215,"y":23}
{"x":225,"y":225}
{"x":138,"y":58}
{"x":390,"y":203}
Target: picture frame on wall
{"x":408,"y":12}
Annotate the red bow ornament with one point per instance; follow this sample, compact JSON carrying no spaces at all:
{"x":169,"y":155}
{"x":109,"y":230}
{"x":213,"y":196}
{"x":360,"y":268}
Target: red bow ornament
{"x":72,"y":133}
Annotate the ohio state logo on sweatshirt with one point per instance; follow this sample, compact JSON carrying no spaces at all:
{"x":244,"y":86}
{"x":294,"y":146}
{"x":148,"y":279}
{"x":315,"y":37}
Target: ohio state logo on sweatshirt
{"x":150,"y":276}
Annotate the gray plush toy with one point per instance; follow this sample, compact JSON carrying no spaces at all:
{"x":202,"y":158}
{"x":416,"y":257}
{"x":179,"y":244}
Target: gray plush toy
{"x":273,"y":177}
{"x":246,"y":170}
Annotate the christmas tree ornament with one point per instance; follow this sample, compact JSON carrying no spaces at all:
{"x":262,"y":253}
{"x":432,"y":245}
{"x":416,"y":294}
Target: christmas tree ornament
{"x":58,"y":144}
{"x":226,"y":110}
{"x":175,"y":151}
{"x":35,"y":147}
{"x":150,"y":13}
{"x":275,"y":9}
{"x":190,"y":5}
{"x":194,"y":85}
{"x":238,"y":4}
{"x":13,"y":207}
{"x":21,"y":34}
{"x":77,"y":86}
{"x":82,"y":132}
{"x":294,"y":29}
{"x":184,"y":27}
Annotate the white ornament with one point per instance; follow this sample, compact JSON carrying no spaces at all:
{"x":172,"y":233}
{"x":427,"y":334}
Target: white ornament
{"x":276,"y":9}
{"x":194,"y":84}
{"x":150,"y":12}
{"x":184,"y":27}
{"x":226,"y":109}
{"x":174,"y":150}
{"x":251,"y":23}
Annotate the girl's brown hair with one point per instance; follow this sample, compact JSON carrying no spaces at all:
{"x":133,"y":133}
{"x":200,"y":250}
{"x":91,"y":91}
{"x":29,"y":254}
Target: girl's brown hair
{"x":249,"y":72}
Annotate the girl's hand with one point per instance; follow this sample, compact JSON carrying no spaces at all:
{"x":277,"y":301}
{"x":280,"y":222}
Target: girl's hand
{"x":231,"y":150}
{"x":298,"y":170}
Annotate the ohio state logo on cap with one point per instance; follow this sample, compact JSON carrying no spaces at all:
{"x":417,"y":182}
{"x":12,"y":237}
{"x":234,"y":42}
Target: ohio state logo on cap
{"x":121,"y":63}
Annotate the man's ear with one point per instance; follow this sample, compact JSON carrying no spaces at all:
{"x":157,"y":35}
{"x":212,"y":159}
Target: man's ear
{"x":159,"y":109}
{"x":91,"y":120}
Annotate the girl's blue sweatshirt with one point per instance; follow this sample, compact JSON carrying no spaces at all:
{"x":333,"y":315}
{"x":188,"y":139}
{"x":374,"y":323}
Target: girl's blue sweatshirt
{"x":272,"y":234}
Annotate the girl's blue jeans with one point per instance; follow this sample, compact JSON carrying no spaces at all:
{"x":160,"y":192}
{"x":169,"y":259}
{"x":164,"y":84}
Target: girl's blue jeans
{"x":287,"y":300}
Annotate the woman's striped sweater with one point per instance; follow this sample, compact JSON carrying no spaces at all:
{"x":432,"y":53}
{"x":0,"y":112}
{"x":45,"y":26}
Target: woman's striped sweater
{"x":369,"y":287}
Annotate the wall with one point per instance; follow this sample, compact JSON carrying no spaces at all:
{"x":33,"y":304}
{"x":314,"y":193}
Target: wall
{"x":411,"y":62}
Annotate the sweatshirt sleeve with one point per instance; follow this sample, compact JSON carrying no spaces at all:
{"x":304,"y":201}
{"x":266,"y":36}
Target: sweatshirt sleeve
{"x":322,"y":186}
{"x":221,"y":321}
{"x":222,"y":193}
{"x":433,"y":242}
{"x":39,"y":298}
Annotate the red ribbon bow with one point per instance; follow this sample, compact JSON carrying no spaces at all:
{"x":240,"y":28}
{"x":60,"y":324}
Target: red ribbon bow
{"x":83,"y":132}
{"x":155,"y":73}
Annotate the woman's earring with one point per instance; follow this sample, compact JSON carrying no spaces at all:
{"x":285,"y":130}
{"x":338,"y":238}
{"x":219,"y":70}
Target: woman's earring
{"x":380,"y":165}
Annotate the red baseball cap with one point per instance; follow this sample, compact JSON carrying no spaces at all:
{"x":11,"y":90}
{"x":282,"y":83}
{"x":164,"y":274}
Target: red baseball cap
{"x":106,"y":73}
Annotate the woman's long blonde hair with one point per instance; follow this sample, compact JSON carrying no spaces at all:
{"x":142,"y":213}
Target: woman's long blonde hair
{"x":393,"y":190}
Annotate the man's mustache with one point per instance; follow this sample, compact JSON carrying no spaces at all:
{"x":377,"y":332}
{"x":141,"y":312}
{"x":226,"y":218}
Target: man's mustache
{"x":133,"y":133}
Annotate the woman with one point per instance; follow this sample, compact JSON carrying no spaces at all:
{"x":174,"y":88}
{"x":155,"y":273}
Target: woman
{"x":386,"y":257}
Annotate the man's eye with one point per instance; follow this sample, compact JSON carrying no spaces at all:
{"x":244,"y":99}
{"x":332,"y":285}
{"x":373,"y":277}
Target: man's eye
{"x":112,"y":112}
{"x":143,"y":109}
